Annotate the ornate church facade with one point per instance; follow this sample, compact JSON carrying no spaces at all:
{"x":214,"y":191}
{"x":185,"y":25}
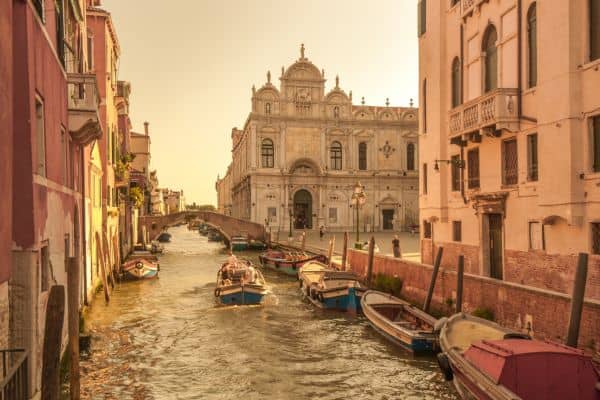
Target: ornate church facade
{"x":303,"y":150}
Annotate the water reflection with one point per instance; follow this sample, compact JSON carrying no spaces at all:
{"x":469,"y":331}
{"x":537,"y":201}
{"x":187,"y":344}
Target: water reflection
{"x":165,"y":339}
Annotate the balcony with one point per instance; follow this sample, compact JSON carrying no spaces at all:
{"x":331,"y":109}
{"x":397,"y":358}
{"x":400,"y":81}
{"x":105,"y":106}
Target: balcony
{"x":84,"y":121}
{"x":468,"y":6}
{"x":14,"y":382}
{"x":489,"y":113}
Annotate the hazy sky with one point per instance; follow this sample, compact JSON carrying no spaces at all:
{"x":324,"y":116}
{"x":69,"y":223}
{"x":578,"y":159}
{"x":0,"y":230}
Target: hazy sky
{"x":192,"y":64}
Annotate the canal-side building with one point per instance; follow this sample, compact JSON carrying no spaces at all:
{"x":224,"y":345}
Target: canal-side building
{"x":510,"y":138}
{"x":303,"y":149}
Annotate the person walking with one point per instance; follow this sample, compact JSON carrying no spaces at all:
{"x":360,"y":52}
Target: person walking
{"x":321,"y":233}
{"x":396,"y":246}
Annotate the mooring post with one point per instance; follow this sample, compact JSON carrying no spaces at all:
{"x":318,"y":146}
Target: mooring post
{"x":436,"y":268}
{"x":100,"y":261}
{"x":55,"y":314}
{"x":577,"y":300}
{"x":73,"y":308}
{"x":344,"y":251}
{"x":303,"y":240}
{"x":370,"y":260}
{"x":330,"y":252}
{"x":459,"y":282}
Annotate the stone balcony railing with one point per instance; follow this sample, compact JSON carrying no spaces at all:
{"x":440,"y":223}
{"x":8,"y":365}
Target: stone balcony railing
{"x":497,"y":109}
{"x":83,"y":103}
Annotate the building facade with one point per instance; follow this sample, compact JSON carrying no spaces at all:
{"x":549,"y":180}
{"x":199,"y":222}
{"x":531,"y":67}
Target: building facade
{"x":302,"y":150}
{"x":509,"y":108}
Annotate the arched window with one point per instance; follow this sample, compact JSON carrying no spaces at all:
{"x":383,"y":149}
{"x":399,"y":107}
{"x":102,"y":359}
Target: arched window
{"x":491,"y":59}
{"x":267,"y":153}
{"x":336,"y":155}
{"x":456,"y":83}
{"x":410,"y":157}
{"x":532,"y":45}
{"x":336,"y":112}
{"x":268,"y":108}
{"x":362,"y":156}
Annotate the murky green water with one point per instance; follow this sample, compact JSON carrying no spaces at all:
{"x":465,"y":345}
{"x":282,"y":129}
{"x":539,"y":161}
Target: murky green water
{"x":165,"y":339}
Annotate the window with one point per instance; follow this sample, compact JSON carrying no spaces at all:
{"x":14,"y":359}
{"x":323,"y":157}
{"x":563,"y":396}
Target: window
{"x":64,"y":149}
{"x":457,"y":231}
{"x":336,"y":156}
{"x":422,"y":17}
{"x":333,"y":215}
{"x":424,"y":105}
{"x":491,"y":59}
{"x":532,"y":157}
{"x":267,"y":153}
{"x":60,"y":30}
{"x":510,"y":162}
{"x":45,"y":268}
{"x":594,"y":30}
{"x":456,"y":83}
{"x":596,"y":238}
{"x":272,"y":214}
{"x":410,"y":157}
{"x":596,"y":143}
{"x":455,"y":172}
{"x":90,"y":52}
{"x":426,"y":229}
{"x":532,"y":45}
{"x":336,"y":112}
{"x":40,"y":136}
{"x":473,"y":166}
{"x":425,"y":178}
{"x":536,"y":236}
{"x":362,"y":156}
{"x":39,"y":8}
{"x":268,"y":108}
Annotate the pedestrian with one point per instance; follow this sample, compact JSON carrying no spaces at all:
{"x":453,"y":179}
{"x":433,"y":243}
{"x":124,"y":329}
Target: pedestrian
{"x":396,"y":246}
{"x":321,"y":233}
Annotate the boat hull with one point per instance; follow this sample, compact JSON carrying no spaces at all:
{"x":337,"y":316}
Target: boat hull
{"x":241,"y":295}
{"x":285,"y":266}
{"x":140,"y":270}
{"x":346,"y":299}
{"x":239,"y":246}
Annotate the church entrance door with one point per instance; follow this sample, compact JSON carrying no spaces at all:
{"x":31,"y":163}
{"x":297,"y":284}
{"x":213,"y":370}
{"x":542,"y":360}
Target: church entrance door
{"x":302,"y":210}
{"x":388,"y":219}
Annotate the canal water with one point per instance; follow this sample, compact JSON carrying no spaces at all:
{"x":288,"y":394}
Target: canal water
{"x":166,"y":339}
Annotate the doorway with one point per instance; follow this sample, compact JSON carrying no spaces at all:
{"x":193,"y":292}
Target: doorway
{"x":302,"y":210}
{"x":495,"y":245}
{"x":388,"y":219}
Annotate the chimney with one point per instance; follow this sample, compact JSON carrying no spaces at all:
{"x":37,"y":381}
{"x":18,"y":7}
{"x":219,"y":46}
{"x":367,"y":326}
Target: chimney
{"x":146,"y":124}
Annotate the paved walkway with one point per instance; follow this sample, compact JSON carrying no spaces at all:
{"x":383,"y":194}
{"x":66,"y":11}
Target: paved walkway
{"x":409,"y":243}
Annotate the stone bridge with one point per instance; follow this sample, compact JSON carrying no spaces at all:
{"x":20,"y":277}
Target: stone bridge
{"x":150,"y":227}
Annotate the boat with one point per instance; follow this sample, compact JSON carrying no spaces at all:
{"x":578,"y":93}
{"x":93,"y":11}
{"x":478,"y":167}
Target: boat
{"x":239,"y":243}
{"x":256,"y":245}
{"x":214,"y":236}
{"x":239,"y":283}
{"x":288,"y":262}
{"x":330,"y":289}
{"x":164,"y":237}
{"x":400,"y":322}
{"x":489,"y":362}
{"x":156,"y":248}
{"x":140,"y":267}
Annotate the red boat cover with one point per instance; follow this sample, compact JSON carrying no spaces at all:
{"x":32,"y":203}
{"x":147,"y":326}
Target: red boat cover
{"x":534,"y":370}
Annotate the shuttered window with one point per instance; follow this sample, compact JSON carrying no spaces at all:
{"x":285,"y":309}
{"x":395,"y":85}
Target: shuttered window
{"x":457,"y":231}
{"x":425,"y":178}
{"x":455,"y":173}
{"x":532,"y":157}
{"x":594,"y":24}
{"x":596,"y":143}
{"x":456,"y":83}
{"x":362,"y":156}
{"x":532,"y":44}
{"x":427,"y":229}
{"x":410,"y":157}
{"x":473,"y":168}
{"x":422,"y":17}
{"x":510,"y":171}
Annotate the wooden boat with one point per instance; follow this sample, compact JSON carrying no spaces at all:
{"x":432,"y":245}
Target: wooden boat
{"x":156,"y":248}
{"x":140,"y":267}
{"x":239,"y":283}
{"x":164,"y":237}
{"x":288,"y":262}
{"x":330,"y":289}
{"x":400,"y":322}
{"x":239,"y":243}
{"x":214,"y":236}
{"x":256,"y":245}
{"x":489,"y":362}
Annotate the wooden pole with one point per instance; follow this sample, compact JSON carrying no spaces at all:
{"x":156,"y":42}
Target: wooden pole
{"x":73,"y":304}
{"x":459,"y":282}
{"x":99,"y":260}
{"x":108,"y":258}
{"x":55,"y":314}
{"x":303,"y":241}
{"x":436,"y":268}
{"x":344,"y":251}
{"x":577,"y":300}
{"x":330,"y":252}
{"x":370,"y":260}
{"x":117,"y":255}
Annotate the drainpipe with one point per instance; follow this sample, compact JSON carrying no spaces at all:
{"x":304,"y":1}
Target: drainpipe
{"x":83,"y":227}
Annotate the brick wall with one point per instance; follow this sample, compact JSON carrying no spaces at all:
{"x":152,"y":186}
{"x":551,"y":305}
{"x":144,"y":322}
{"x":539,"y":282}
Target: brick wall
{"x":513,"y":305}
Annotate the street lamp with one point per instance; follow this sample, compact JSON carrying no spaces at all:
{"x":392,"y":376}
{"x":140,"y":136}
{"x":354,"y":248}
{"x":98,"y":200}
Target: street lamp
{"x":358,"y":200}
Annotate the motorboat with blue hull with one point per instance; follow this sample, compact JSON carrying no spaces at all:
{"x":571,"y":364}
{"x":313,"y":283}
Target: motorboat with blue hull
{"x":331,"y":289}
{"x":239,"y":283}
{"x":400,"y":322}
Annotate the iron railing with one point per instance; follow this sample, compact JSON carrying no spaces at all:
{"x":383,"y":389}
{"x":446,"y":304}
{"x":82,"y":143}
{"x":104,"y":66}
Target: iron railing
{"x":15,"y":381}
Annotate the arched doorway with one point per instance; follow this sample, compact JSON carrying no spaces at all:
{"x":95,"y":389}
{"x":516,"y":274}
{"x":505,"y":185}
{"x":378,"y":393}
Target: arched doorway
{"x":302,"y":209}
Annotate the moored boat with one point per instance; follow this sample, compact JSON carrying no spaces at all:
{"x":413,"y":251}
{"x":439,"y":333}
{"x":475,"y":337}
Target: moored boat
{"x":489,"y":362}
{"x":156,"y":248}
{"x":214,"y":236}
{"x":139,"y":267}
{"x":256,"y":245}
{"x":164,"y":237}
{"x":239,"y":243}
{"x":330,"y":289}
{"x":239,"y":283}
{"x":400,"y":322}
{"x":288,"y":262}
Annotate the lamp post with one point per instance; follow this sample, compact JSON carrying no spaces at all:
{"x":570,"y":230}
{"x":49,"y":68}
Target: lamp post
{"x":358,"y":200}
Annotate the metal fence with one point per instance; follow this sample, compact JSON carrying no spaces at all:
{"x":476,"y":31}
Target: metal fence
{"x":15,"y":382}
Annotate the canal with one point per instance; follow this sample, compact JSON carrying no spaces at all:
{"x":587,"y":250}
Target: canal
{"x":165,"y":339}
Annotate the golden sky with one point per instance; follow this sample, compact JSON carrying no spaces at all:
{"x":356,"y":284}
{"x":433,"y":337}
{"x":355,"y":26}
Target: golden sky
{"x":192,"y":64}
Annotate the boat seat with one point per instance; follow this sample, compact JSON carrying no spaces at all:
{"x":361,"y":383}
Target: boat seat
{"x":405,"y":324}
